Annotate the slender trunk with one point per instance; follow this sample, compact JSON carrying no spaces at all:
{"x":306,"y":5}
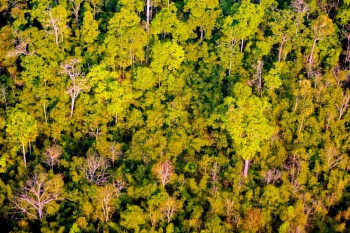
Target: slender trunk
{"x":45,"y":112}
{"x":202,"y":33}
{"x":94,"y":10}
{"x":116,"y":118}
{"x":242,"y":44}
{"x":147,"y":14}
{"x":301,"y":123}
{"x":312,"y":52}
{"x":56,"y":37}
{"x":260,"y":83}
{"x":24,"y":155}
{"x":246,"y":167}
{"x":296,"y":104}
{"x":229,"y":70}
{"x":280,"y":50}
{"x":72,"y":107}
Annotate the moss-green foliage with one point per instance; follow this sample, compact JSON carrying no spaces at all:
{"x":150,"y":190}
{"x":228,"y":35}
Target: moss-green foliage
{"x":167,"y":116}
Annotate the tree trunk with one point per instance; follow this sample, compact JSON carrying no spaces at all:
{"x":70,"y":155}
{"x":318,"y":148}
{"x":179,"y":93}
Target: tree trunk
{"x":24,"y":155}
{"x":310,"y":61}
{"x":301,"y":123}
{"x":229,"y":70}
{"x":147,"y":14}
{"x":280,"y":50}
{"x":242,"y":44}
{"x":72,"y":107}
{"x":45,"y":112}
{"x":56,"y":36}
{"x":40,"y":210}
{"x":246,"y":167}
{"x":202,"y":32}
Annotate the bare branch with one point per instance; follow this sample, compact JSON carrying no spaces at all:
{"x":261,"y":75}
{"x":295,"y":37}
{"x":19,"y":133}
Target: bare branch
{"x":95,"y":169}
{"x":39,"y":191}
{"x":164,"y":171}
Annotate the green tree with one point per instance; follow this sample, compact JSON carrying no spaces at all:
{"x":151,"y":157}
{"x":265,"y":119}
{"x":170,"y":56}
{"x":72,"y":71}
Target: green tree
{"x":21,"y":128}
{"x":246,"y":123}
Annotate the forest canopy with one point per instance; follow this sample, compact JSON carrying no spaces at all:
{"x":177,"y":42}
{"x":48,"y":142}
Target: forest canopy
{"x":165,"y":116}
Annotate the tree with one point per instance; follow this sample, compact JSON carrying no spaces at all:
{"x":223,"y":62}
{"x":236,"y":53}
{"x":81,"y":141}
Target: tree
{"x":95,"y":169}
{"x":78,"y":80}
{"x":22,"y":128}
{"x":167,"y":24}
{"x":89,"y":31}
{"x":39,"y":193}
{"x":169,"y":208}
{"x":164,"y":171}
{"x":133,"y":217}
{"x":57,"y":22}
{"x":76,"y":7}
{"x":106,"y":200}
{"x":125,"y":40}
{"x":166,"y":56}
{"x":203,"y":14}
{"x":246,"y":123}
{"x":53,"y":154}
{"x":321,"y":28}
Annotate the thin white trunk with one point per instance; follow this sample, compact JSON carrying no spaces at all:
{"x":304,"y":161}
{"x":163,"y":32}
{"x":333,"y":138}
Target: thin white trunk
{"x":147,"y":14}
{"x":246,"y":168}
{"x":281,"y":48}
{"x":24,"y":155}
{"x":296,"y":104}
{"x":312,"y":52}
{"x":72,"y":107}
{"x":45,"y":112}
{"x":242,"y":44}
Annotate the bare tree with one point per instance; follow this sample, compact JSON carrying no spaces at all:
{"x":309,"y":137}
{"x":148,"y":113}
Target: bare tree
{"x":164,"y":171}
{"x":116,"y":152}
{"x":53,"y":154}
{"x":344,"y":104}
{"x":232,"y":216}
{"x":53,"y":22}
{"x":300,"y":5}
{"x":169,"y":208}
{"x":334,"y":157}
{"x":272,"y":176}
{"x":21,"y":47}
{"x":37,"y":194}
{"x":78,"y":80}
{"x":346,"y":35}
{"x":119,"y":184}
{"x":105,"y":200}
{"x":95,"y":169}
